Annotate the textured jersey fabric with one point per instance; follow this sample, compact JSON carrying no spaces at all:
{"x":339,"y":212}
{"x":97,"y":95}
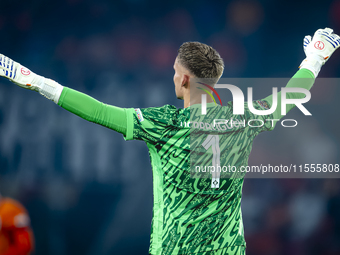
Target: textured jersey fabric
{"x":190,"y":214}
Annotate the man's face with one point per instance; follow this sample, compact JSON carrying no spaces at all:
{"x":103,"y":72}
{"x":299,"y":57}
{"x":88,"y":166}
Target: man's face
{"x":179,"y":79}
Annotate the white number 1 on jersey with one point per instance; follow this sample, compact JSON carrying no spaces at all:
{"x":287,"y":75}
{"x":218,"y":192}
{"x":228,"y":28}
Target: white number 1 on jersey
{"x":213,"y":142}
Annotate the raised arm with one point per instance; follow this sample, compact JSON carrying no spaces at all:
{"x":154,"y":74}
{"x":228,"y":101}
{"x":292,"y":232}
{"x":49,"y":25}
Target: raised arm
{"x":302,"y":79}
{"x":318,"y":50}
{"x":76,"y":102}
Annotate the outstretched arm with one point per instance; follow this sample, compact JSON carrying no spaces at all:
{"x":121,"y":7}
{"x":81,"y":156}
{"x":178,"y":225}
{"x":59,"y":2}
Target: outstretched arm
{"x":76,"y":102}
{"x":318,"y":50}
{"x":92,"y":110}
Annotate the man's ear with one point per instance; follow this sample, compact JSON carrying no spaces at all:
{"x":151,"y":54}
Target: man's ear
{"x":185,"y":81}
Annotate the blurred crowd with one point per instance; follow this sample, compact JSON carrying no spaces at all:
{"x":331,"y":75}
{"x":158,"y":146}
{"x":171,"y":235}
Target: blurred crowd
{"x":90,"y":192}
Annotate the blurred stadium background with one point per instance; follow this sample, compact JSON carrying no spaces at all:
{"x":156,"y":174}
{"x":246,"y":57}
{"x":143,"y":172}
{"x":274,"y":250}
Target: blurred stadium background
{"x":90,"y":192}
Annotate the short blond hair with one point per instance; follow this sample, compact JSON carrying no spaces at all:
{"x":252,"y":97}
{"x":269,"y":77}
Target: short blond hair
{"x":202,"y":60}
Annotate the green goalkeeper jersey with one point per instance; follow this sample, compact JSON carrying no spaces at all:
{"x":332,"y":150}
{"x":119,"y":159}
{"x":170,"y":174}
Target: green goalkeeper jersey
{"x":191,"y":215}
{"x":188,"y":215}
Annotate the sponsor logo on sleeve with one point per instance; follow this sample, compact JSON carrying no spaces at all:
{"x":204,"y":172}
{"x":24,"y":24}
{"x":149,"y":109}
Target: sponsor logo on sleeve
{"x":139,"y":114}
{"x":264,"y":104}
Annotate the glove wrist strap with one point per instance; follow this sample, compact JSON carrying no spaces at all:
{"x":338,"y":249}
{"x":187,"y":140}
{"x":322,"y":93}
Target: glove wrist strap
{"x":50,"y":89}
{"x":313,"y":63}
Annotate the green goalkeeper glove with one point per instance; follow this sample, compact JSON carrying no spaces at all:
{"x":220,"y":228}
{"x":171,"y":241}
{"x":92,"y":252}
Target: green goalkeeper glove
{"x":25,"y":78}
{"x":319,"y":49}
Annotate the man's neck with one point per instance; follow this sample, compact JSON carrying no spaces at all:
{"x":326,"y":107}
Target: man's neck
{"x":196,"y":100}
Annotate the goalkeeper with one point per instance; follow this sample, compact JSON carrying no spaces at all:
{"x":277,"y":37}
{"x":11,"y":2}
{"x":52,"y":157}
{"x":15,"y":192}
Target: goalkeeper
{"x":189,"y":215}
